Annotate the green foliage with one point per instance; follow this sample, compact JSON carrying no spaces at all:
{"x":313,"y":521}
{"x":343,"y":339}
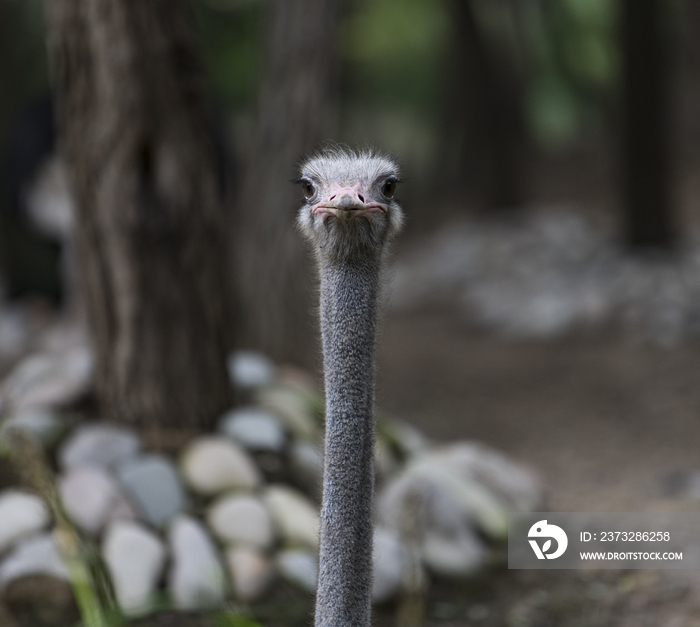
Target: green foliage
{"x":394,"y":54}
{"x":583,"y":32}
{"x":229,"y":619}
{"x":554,"y":112}
{"x":231,"y":43}
{"x":575,"y":65}
{"x":394,"y":50}
{"x":90,"y":586}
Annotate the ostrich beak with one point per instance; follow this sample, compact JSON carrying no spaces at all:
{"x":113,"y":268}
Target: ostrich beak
{"x":347,"y":204}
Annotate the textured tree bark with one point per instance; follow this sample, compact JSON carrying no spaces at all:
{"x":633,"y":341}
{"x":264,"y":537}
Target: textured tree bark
{"x":270,"y":260}
{"x":132,"y":127}
{"x":645,"y":42}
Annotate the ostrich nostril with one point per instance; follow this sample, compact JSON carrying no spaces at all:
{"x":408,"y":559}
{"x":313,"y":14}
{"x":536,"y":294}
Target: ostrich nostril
{"x":361,"y":197}
{"x":333,"y":196}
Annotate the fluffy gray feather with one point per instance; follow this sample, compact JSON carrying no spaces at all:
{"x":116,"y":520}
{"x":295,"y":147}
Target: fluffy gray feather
{"x":349,"y":217}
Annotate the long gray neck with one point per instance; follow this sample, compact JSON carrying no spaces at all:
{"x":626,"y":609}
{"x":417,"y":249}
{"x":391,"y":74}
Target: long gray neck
{"x":349,"y":328}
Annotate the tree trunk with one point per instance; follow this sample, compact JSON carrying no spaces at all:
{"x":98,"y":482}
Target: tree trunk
{"x":132,"y":127}
{"x":274,"y":286}
{"x":645,"y":130}
{"x":486,"y":105}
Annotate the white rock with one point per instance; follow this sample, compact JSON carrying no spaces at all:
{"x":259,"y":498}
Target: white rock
{"x":50,"y":201}
{"x":98,"y":445}
{"x":41,"y":423}
{"x":250,"y":369}
{"x":135,"y":558}
{"x":474,"y":461}
{"x":441,"y":510}
{"x":64,"y":336}
{"x":49,"y":378}
{"x":299,"y":567}
{"x":153,"y":484}
{"x":691,"y":485}
{"x":21,"y":515}
{"x":92,"y":498}
{"x":453,"y":557}
{"x":385,"y":463}
{"x":241,"y":519}
{"x":447,"y":500}
{"x":15,"y":330}
{"x":301,"y":380}
{"x":553,"y":271}
{"x":197,"y":577}
{"x":35,"y":556}
{"x":408,"y":504}
{"x":254,"y":428}
{"x":306,"y":462}
{"x":251,"y":572}
{"x":387,"y":564}
{"x":408,"y":438}
{"x":293,"y":408}
{"x":214,"y":464}
{"x":295,"y":516}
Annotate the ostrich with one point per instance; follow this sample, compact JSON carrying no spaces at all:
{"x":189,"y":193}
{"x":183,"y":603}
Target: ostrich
{"x":349,"y":216}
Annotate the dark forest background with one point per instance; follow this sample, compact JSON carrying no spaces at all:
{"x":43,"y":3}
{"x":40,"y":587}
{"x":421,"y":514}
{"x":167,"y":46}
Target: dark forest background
{"x":491,"y":106}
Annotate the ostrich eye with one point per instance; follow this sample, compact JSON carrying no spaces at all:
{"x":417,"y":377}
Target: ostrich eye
{"x":389,"y":188}
{"x":308,"y":188}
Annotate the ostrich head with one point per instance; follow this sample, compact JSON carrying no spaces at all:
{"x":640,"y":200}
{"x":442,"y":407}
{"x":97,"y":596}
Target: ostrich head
{"x":349,"y":212}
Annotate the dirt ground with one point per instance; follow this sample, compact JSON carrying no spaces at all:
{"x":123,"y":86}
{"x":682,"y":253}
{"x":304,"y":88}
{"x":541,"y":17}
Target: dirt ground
{"x":609,"y":424}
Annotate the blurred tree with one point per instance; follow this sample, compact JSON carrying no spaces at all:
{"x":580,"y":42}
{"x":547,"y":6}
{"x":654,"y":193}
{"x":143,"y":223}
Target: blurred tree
{"x":688,"y":122}
{"x":292,"y":116}
{"x":645,"y":42}
{"x":487,"y":104}
{"x":132,"y":126}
